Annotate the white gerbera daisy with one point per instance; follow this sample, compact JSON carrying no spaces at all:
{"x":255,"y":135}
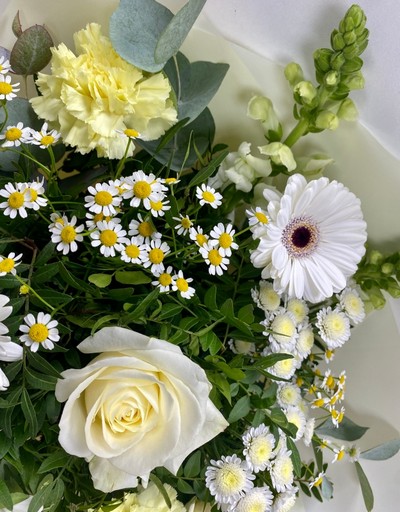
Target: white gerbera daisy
{"x":208,"y":195}
{"x":35,"y":189}
{"x":228,"y":479}
{"x":110,"y":237}
{"x":266,"y":297}
{"x":333,"y":327}
{"x":143,"y":188}
{"x":8,"y":264}
{"x":155,"y":254}
{"x":66,"y":234}
{"x":181,"y":284}
{"x":14,"y":136}
{"x":103,"y":198}
{"x":259,"y":444}
{"x":184,"y":224}
{"x":17,"y":199}
{"x":7,"y":89}
{"x":352,"y":305}
{"x":281,"y":471}
{"x":39,"y":331}
{"x":144,"y":228}
{"x":214,"y":258}
{"x":258,"y":499}
{"x":197,"y":235}
{"x":134,"y":250}
{"x":164,"y":279}
{"x":312,"y":244}
{"x":44,"y":138}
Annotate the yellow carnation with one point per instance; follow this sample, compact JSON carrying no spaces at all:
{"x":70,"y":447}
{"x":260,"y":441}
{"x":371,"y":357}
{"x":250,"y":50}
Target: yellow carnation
{"x":92,"y":94}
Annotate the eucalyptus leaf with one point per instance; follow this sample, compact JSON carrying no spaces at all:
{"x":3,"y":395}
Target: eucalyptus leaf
{"x":16,"y":25}
{"x":347,"y":430}
{"x":326,"y":488}
{"x":31,"y":51}
{"x":383,"y":451}
{"x":365,"y":487}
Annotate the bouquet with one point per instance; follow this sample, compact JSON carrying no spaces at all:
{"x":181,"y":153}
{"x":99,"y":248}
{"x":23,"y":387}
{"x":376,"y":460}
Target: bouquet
{"x":169,"y":306}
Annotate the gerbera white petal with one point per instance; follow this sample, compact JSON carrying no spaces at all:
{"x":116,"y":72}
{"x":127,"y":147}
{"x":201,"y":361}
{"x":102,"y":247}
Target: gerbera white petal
{"x":312,"y":245}
{"x":40,"y":331}
{"x":333,"y":327}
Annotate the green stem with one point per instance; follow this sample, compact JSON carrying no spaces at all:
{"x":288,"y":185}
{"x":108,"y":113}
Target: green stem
{"x":298,"y":131}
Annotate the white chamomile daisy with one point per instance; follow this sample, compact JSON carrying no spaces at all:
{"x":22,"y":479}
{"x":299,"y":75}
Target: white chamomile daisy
{"x":339,"y":454}
{"x":337,"y":416}
{"x":259,"y":444}
{"x":208,"y":195}
{"x":8,"y":264}
{"x":164,"y":279}
{"x":119,"y":184}
{"x":159,"y":207}
{"x":171,"y":181}
{"x":285,"y":501}
{"x":354,"y":453}
{"x":143,"y":188}
{"x":144,"y":228}
{"x":110,"y":237}
{"x":266,"y":297}
{"x":281,"y":331}
{"x":214,"y":258}
{"x":228,"y":479}
{"x":319,"y":401}
{"x":288,"y":394}
{"x":7,"y":89}
{"x":35,"y":189}
{"x":134,"y":250}
{"x":351,"y":303}
{"x":297,"y":417}
{"x":281,"y":471}
{"x":17,"y":200}
{"x":14,"y":136}
{"x":184,"y":224}
{"x":57,"y":218}
{"x":5,"y":66}
{"x":258,"y":220}
{"x":258,"y":499}
{"x":317,"y":481}
{"x":329,"y":355}
{"x":222,"y":236}
{"x":333,"y":326}
{"x":181,"y":284}
{"x":66,"y":235}
{"x":155,"y":255}
{"x":104,"y":199}
{"x":40,"y":331}
{"x":305,"y":341}
{"x":197,"y":235}
{"x":44,"y":138}
{"x":94,"y":219}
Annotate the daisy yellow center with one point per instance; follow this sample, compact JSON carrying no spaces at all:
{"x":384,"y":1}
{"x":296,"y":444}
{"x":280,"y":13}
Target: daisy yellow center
{"x":13,"y":133}
{"x":182,"y":284}
{"x":319,"y":402}
{"x":142,"y":189}
{"x":5,"y":88}
{"x":7,"y":265}
{"x":208,"y":196}
{"x":261,"y":217}
{"x":201,"y":239}
{"x":225,"y":240}
{"x":16,"y":200}
{"x":33,"y":193}
{"x":108,"y":237}
{"x":334,"y":326}
{"x":165,"y":279}
{"x":68,"y":234}
{"x":170,"y":181}
{"x":132,"y":251}
{"x":330,"y":382}
{"x":318,"y":482}
{"x":156,"y":205}
{"x":130,"y":132}
{"x":215,"y":257}
{"x":47,"y":140}
{"x":59,"y":220}
{"x":329,"y":354}
{"x":145,"y":229}
{"x":340,"y":455}
{"x":230,"y":479}
{"x":98,"y":217}
{"x":38,"y":333}
{"x":156,"y":256}
{"x":103,"y":198}
{"x":186,"y":223}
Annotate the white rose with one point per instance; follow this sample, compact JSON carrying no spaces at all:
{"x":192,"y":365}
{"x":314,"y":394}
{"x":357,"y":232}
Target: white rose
{"x":140,"y":404}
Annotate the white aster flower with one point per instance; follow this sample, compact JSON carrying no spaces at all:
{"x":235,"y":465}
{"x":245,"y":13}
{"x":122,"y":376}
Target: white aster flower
{"x":8,"y":264}
{"x":143,"y":188}
{"x":312,"y":244}
{"x":223,"y":237}
{"x":103,"y":198}
{"x":155,"y":255}
{"x":144,"y":228}
{"x":164,"y":279}
{"x":266,"y":297}
{"x":134,"y":250}
{"x":258,"y":499}
{"x":197,"y":235}
{"x":228,"y":479}
{"x":281,"y":331}
{"x":66,"y":235}
{"x":208,"y":195}
{"x":7,"y":89}
{"x":14,"y":136}
{"x":39,"y":331}
{"x":288,"y":394}
{"x":352,"y":305}
{"x":5,"y":66}
{"x":214,"y":258}
{"x":333,"y":327}
{"x":285,"y":501}
{"x":4,"y":382}
{"x":184,"y":224}
{"x":181,"y":284}
{"x":110,"y":237}
{"x":259,"y":444}
{"x":281,"y":471}
{"x":17,"y":199}
{"x":45,"y":137}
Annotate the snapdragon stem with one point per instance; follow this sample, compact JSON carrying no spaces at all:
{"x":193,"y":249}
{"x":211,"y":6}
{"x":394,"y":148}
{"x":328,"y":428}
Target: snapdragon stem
{"x":298,"y":131}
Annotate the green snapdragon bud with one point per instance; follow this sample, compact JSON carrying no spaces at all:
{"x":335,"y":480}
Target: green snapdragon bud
{"x":387,"y":269}
{"x":375,"y":257}
{"x":304,"y":92}
{"x":326,"y":120}
{"x":347,"y":110}
{"x":294,"y":73}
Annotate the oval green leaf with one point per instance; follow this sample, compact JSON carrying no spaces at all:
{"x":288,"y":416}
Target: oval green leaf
{"x":31,"y":51}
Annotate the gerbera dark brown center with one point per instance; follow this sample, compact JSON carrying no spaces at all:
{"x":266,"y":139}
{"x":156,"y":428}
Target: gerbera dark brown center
{"x":300,"y":237}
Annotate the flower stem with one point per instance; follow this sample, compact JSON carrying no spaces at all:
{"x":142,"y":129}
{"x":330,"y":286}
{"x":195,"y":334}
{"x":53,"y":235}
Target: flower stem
{"x":298,"y":131}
